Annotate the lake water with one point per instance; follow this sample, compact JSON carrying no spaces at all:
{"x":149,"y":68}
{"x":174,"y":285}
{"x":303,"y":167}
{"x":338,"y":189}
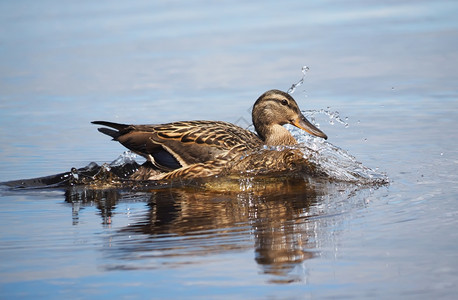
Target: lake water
{"x":388,"y":68}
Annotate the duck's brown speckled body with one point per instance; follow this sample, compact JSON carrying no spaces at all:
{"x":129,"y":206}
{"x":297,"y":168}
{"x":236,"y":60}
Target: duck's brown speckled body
{"x":191,"y":149}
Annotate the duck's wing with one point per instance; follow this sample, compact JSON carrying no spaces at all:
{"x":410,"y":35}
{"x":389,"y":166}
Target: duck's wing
{"x":181,"y":144}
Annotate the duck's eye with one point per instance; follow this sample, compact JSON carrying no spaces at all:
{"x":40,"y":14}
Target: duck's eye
{"x":284,"y":102}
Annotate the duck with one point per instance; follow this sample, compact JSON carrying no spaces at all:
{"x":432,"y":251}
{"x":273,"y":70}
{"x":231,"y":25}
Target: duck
{"x":195,"y":149}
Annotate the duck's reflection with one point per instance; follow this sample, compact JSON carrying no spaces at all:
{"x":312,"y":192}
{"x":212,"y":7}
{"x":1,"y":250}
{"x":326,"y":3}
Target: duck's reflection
{"x":281,"y":239}
{"x":188,"y":222}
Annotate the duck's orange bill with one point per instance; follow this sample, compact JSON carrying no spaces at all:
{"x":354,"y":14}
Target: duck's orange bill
{"x":302,"y":123}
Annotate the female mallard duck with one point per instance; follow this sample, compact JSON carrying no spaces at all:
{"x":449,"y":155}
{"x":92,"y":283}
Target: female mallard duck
{"x":190,"y":149}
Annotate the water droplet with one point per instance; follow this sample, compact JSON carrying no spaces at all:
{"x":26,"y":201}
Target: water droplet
{"x":293,"y":87}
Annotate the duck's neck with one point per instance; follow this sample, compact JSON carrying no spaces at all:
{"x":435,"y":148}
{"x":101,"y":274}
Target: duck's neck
{"x":276,"y":135}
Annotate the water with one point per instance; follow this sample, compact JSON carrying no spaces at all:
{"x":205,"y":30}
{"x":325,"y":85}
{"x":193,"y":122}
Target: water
{"x":385,"y":72}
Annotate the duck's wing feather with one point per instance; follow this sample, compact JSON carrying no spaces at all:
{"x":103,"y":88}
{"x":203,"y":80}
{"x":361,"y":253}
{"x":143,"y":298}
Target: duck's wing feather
{"x":180,"y":144}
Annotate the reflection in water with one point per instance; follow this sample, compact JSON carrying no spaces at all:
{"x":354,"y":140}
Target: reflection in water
{"x":281,"y":240}
{"x":105,"y":201}
{"x":279,"y":214}
{"x":276,"y":216}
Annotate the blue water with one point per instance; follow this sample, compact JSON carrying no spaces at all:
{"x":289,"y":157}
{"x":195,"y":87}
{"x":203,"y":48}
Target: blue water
{"x":389,"y":68}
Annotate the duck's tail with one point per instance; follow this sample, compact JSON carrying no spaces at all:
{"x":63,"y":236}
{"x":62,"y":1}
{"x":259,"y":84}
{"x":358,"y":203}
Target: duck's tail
{"x":111,"y":132}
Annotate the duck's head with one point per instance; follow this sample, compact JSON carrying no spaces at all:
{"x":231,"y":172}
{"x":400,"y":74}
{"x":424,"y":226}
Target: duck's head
{"x":275,"y":108}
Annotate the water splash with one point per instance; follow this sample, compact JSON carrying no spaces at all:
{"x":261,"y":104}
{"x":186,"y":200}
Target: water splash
{"x":127,"y":157}
{"x":334,"y":116}
{"x":337,"y":163}
{"x":293,"y":87}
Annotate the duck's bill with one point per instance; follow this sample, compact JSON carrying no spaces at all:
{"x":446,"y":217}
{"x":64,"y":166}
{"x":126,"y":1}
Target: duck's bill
{"x":304,"y":124}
